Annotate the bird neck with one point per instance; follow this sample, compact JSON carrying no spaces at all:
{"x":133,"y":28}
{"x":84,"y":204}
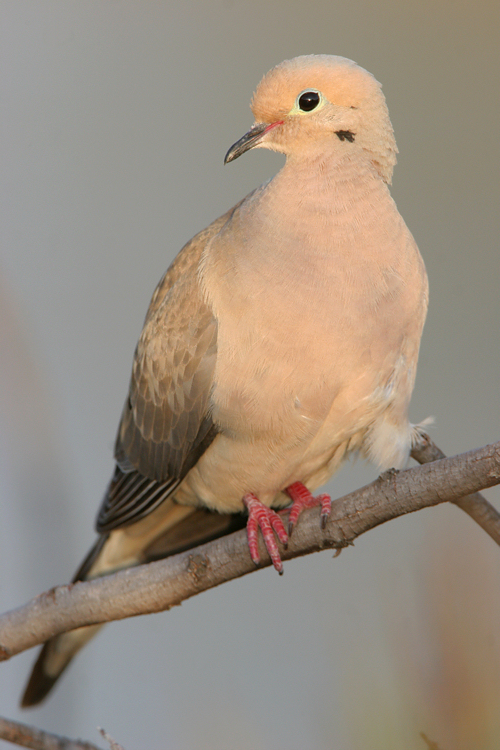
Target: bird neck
{"x":310,"y":201}
{"x":329,"y":183}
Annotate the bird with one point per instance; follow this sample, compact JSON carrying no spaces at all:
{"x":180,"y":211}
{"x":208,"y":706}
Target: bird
{"x":283,"y":338}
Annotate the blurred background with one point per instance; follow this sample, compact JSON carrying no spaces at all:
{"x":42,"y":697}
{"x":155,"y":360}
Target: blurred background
{"x":116,"y":118}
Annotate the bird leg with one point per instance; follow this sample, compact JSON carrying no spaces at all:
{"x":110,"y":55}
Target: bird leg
{"x":302,"y":498}
{"x":259,"y":515}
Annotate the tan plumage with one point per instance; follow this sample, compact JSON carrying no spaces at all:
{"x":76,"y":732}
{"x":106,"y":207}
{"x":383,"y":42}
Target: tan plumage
{"x":282,"y":338}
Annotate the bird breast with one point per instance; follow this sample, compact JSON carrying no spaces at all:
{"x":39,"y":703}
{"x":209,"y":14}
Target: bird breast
{"x":314,"y":301}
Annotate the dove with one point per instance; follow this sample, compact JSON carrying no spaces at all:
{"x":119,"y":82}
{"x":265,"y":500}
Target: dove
{"x":283,"y":338}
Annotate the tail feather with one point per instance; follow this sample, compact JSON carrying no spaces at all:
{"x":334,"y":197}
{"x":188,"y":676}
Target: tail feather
{"x":57,"y":653}
{"x":189,"y":528}
{"x":40,"y":683}
{"x":52,"y":661}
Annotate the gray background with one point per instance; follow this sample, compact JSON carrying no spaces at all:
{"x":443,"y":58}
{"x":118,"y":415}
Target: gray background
{"x":116,"y":117}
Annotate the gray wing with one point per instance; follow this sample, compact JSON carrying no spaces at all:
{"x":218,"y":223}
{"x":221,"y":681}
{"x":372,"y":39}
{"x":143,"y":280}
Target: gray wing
{"x":166,"y":423}
{"x":165,"y":417}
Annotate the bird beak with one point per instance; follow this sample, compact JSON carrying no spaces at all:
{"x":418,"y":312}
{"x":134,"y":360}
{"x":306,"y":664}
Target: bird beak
{"x":249,"y":140}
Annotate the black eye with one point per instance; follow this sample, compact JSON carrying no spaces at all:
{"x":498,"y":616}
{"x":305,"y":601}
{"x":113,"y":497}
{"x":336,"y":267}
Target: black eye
{"x":308,"y":100}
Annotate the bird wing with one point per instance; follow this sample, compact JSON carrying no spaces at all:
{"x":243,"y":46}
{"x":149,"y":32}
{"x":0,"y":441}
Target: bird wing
{"x":166,"y":423}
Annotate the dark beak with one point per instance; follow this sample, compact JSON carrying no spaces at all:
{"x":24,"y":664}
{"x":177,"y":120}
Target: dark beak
{"x":248,"y":141}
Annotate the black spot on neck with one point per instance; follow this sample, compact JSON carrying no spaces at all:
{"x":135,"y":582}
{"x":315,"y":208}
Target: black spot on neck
{"x":345,"y":135}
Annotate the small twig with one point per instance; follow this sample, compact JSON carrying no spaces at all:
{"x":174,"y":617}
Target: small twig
{"x":113,"y":745}
{"x":430,"y":744}
{"x":475,"y":505}
{"x":160,"y":585}
{"x":37,"y":739}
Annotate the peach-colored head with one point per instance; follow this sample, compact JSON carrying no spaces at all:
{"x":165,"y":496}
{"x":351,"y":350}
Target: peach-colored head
{"x":321,"y":104}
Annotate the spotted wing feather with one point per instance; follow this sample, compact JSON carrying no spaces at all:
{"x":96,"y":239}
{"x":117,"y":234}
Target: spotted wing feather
{"x":166,"y":423}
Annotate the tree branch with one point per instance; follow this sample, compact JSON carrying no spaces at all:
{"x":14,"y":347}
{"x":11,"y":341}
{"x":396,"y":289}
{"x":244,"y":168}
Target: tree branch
{"x":475,"y":505}
{"x":160,"y":585}
{"x":37,"y":739}
{"x":112,"y":743}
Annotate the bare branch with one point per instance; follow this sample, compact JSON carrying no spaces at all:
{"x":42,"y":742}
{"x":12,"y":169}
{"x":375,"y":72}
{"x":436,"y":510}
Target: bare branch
{"x":430,"y":744}
{"x":475,"y":505}
{"x":161,"y":585}
{"x":36,"y":739}
{"x":112,"y":743}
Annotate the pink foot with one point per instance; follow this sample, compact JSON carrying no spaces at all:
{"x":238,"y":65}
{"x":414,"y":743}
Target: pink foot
{"x":268,"y":520}
{"x":302,"y":498}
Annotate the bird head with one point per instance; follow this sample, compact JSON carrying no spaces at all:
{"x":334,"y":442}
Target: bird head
{"x":317,"y":105}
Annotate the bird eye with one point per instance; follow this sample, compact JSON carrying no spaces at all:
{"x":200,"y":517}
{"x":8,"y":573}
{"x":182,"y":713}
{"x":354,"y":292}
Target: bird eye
{"x":308,"y":101}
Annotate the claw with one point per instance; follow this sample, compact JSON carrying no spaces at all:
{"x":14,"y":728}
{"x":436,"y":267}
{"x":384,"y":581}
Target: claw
{"x":259,"y":515}
{"x":302,"y":498}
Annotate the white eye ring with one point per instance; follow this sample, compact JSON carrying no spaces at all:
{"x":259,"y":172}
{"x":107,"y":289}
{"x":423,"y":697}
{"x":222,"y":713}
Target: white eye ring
{"x":308,"y":100}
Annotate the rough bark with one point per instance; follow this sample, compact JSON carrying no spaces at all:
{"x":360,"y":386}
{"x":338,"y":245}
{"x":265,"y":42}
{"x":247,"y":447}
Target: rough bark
{"x":161,"y":585}
{"x":36,"y":739}
{"x":475,"y":505}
